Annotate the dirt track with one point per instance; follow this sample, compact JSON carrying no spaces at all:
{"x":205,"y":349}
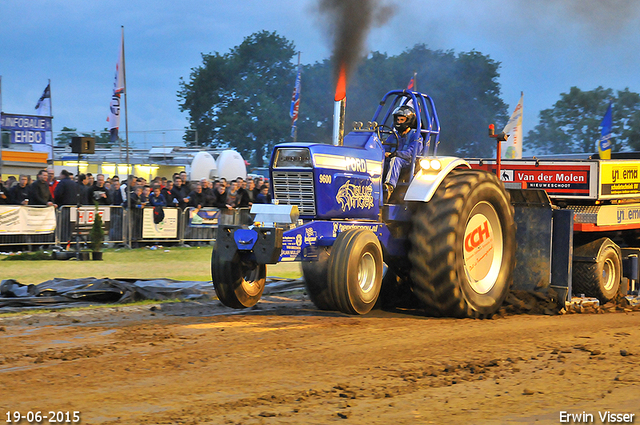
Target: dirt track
{"x":286,"y":362}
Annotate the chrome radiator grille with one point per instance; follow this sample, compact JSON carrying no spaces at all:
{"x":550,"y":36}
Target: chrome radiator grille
{"x":295,"y":188}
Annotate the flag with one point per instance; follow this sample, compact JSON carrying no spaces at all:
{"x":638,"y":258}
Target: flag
{"x":513,"y":129}
{"x":295,"y":104}
{"x":118,"y":89}
{"x":604,"y":144}
{"x":43,"y":107}
{"x":412,"y":82}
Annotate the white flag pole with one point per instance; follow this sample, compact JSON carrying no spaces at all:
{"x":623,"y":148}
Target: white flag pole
{"x":51,"y":113}
{"x":1,"y":161}
{"x":126,"y":134}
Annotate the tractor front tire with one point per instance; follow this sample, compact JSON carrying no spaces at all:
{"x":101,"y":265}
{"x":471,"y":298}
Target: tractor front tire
{"x":463,"y":246}
{"x":315,"y":280}
{"x":354,"y":275}
{"x":238,"y":284}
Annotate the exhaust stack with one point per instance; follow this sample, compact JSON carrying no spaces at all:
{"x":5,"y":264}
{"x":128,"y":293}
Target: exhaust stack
{"x":339,"y":107}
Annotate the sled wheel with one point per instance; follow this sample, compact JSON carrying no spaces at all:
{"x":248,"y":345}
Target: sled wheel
{"x":600,"y":278}
{"x":315,"y":280}
{"x":354,"y":275}
{"x":238,"y":284}
{"x":463,"y":246}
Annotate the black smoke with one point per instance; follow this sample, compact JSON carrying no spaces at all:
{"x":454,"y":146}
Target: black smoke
{"x":348,"y":23}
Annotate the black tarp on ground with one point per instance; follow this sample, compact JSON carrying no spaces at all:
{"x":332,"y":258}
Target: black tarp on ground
{"x":93,"y":290}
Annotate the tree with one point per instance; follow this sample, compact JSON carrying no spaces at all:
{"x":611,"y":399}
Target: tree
{"x":63,"y":139}
{"x":574,"y":123}
{"x":464,"y":88}
{"x":626,"y":118}
{"x":239,"y":99}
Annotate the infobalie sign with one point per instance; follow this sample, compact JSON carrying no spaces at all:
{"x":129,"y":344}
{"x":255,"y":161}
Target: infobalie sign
{"x":26,"y":128}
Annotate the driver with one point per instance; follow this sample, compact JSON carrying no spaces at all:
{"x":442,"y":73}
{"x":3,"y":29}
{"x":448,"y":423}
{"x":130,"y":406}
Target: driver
{"x":404,"y":121}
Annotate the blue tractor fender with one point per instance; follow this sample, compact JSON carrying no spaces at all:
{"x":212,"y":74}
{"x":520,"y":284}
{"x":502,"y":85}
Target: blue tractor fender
{"x":432,"y":172}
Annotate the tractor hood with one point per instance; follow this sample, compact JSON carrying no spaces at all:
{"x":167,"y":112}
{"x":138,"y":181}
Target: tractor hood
{"x":327,"y":181}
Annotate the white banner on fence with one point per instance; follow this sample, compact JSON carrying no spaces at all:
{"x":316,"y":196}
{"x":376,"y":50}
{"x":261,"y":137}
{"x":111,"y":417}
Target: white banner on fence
{"x":167,"y":228}
{"x":86,"y":215}
{"x":22,"y":220}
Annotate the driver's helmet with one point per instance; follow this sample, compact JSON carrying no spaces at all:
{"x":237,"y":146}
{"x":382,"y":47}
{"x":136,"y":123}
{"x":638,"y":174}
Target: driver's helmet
{"x":409,"y":113}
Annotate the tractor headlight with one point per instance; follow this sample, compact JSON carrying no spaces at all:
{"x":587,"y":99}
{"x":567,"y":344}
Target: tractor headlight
{"x":430,"y":164}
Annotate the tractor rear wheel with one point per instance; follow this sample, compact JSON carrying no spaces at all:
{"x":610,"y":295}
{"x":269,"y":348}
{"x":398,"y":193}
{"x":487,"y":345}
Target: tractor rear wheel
{"x":315,"y":280}
{"x":354,"y":276}
{"x":597,"y":270}
{"x":463,"y":246}
{"x":238,"y":284}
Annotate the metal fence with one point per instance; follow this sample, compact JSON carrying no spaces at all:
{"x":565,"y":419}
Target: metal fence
{"x":123,"y":227}
{"x":22,"y":226}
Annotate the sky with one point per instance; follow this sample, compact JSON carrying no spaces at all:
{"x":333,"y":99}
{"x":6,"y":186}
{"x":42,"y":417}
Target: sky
{"x":544,"y":46}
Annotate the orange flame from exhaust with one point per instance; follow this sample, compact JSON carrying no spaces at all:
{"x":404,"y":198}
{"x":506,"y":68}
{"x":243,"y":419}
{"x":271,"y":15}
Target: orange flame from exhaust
{"x":341,"y":87}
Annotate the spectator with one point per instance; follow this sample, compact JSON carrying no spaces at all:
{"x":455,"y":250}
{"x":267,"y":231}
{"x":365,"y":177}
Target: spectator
{"x":185,"y":181}
{"x":127,"y":187}
{"x":136,"y":198}
{"x":157,"y":199}
{"x":163,"y":183}
{"x":256,"y":187}
{"x":66,"y":190}
{"x":136,"y":212}
{"x":20,"y":192}
{"x":180,"y":193}
{"x":208,"y":193}
{"x":232,"y":195}
{"x":144,"y":197}
{"x":99,"y":192}
{"x":90,"y":180}
{"x":251,"y":191}
{"x":221,"y":198}
{"x":264,"y":197}
{"x":4,"y":194}
{"x":51,"y":180}
{"x":196,"y":197}
{"x":40,"y":194}
{"x":115,"y":195}
{"x":168,"y":196}
{"x":242,"y":200}
{"x":11,"y":181}
{"x":83,"y":190}
{"x":223,"y":182}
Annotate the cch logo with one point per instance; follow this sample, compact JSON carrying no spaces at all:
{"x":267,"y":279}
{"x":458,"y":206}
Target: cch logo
{"x":475,"y":238}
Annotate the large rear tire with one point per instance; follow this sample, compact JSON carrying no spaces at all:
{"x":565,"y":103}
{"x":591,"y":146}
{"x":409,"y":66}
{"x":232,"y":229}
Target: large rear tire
{"x":355,"y":271}
{"x":600,"y":278}
{"x":463,"y":246}
{"x":315,"y":280}
{"x":238,"y":284}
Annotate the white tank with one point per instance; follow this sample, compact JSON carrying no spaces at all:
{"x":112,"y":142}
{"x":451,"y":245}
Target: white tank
{"x":231,"y":165}
{"x":203,"y":166}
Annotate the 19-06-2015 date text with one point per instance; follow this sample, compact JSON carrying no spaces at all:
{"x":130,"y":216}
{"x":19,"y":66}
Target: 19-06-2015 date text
{"x":46,"y":417}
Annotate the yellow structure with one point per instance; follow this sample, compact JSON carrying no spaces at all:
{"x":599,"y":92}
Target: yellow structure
{"x":15,"y":163}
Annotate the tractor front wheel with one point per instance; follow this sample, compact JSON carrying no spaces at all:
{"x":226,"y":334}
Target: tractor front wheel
{"x":354,"y":275}
{"x":238,"y":284}
{"x":315,"y":280}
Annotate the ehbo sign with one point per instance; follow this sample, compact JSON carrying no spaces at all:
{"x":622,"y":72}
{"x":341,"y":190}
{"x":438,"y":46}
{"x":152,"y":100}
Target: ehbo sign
{"x":26,"y":128}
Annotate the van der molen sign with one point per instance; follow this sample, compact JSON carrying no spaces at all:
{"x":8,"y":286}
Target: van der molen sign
{"x":26,"y":128}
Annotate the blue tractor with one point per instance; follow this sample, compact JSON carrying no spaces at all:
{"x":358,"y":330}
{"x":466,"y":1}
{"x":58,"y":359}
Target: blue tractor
{"x":446,"y":234}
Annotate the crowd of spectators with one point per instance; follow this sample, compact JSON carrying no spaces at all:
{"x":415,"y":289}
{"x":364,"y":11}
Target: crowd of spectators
{"x":86,"y":189}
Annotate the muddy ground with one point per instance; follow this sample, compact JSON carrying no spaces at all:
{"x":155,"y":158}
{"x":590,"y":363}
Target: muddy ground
{"x":284,"y":362}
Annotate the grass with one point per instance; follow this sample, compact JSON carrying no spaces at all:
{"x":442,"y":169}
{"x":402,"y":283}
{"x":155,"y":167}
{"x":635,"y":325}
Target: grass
{"x":142,"y":263}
